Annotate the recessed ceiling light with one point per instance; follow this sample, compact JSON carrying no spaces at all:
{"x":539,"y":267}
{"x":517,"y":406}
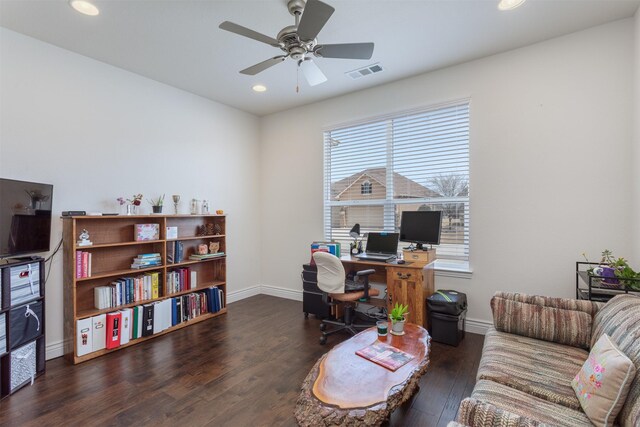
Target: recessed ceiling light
{"x":84,"y":7}
{"x":509,"y":4}
{"x":259,"y":88}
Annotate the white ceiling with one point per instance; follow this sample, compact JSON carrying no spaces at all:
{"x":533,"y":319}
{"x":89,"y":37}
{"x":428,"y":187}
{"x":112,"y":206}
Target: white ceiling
{"x":178,"y":42}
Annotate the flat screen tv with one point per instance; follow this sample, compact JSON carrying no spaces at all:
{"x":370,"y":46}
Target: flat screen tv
{"x":25,"y":217}
{"x":421,"y":227}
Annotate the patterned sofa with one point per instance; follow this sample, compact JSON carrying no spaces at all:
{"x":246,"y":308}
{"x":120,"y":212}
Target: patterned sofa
{"x":536,"y":347}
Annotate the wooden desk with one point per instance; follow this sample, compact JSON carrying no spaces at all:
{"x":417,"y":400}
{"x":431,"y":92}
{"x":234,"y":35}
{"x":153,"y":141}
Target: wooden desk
{"x":346,"y":389}
{"x":410,"y":283}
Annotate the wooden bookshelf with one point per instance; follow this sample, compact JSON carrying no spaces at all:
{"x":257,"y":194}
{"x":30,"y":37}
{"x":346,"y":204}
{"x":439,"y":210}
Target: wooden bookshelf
{"x":112,"y":252}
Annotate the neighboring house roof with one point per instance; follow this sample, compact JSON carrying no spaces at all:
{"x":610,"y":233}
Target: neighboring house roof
{"x":402,"y":186}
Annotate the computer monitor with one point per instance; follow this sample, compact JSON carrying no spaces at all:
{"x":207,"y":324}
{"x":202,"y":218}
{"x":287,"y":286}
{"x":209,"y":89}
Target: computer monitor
{"x":421,"y":227}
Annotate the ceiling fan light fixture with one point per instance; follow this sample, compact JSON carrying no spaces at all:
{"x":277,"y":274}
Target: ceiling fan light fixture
{"x":509,"y":4}
{"x":84,"y":7}
{"x":259,"y":88}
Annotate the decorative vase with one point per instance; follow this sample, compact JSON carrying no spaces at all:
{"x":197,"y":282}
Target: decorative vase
{"x":157,"y":209}
{"x":397,"y":327}
{"x":132,"y":210}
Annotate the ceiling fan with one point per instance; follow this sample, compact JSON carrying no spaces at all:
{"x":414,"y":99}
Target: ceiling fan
{"x":299,"y":41}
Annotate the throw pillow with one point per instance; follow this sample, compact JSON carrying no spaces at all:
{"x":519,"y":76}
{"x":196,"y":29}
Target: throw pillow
{"x":603,"y":382}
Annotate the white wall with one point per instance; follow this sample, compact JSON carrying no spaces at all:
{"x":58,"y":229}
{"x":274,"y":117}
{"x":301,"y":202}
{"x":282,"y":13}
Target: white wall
{"x":635,"y":159}
{"x":97,"y":132}
{"x":550,"y":132}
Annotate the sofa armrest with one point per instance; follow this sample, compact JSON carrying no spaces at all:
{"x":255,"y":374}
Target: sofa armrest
{"x":543,"y":322}
{"x":475,"y":413}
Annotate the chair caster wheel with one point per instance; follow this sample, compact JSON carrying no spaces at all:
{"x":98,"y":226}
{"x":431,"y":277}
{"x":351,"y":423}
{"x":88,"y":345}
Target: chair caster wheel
{"x":306,"y":314}
{"x":323,"y":340}
{"x":323,"y":327}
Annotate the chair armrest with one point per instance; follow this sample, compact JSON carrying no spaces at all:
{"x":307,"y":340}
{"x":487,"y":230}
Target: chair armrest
{"x":474,"y":412}
{"x":365,"y":277}
{"x":365,"y":272}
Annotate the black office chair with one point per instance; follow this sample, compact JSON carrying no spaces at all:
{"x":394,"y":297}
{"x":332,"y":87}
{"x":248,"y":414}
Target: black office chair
{"x":337,"y":289}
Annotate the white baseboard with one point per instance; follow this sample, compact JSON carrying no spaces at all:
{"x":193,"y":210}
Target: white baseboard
{"x":476,"y":326}
{"x":281,"y":292}
{"x":54,"y":350}
{"x":243,"y":293}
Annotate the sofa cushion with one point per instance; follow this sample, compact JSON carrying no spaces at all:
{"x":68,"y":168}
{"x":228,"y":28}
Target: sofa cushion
{"x":473,"y":412}
{"x":540,"y":368}
{"x":603,"y":382}
{"x":620,"y":320}
{"x":558,"y":325}
{"x":589,"y":307}
{"x":526,"y":405}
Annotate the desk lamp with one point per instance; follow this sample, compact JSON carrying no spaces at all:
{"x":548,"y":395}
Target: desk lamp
{"x":356,"y":246}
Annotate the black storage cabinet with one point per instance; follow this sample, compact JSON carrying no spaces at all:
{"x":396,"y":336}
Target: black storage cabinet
{"x":447,"y":314}
{"x":312,"y":295}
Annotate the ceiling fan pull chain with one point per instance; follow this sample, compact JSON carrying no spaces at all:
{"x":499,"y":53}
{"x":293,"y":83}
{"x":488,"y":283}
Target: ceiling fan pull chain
{"x":298,"y":79}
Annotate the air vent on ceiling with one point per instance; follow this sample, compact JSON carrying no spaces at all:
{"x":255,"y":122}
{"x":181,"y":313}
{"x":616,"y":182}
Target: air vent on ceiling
{"x":365,"y":71}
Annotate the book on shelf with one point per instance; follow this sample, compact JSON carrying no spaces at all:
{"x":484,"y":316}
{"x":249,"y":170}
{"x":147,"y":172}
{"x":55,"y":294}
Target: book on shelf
{"x":198,"y":257}
{"x":83,"y":264}
{"x":146,"y":232}
{"x":139,"y":321}
{"x":332,"y":247}
{"x":178,"y":251}
{"x":84,"y":339}
{"x":113,"y":329}
{"x":147,"y":261}
{"x":171,"y":251}
{"x":127,"y":317}
{"x":385,"y":355}
{"x":127,"y":290}
{"x":99,"y":332}
{"x":178,"y":280}
{"x":147,"y":319}
{"x":172,"y":233}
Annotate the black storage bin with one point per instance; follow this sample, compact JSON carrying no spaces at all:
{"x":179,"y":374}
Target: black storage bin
{"x":447,"y":328}
{"x":312,"y":302}
{"x":310,"y":276}
{"x":309,"y":267}
{"x":447,"y":302}
{"x":26,"y":323}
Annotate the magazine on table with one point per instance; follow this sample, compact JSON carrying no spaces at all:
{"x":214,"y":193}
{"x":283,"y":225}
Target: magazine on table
{"x":385,"y":355}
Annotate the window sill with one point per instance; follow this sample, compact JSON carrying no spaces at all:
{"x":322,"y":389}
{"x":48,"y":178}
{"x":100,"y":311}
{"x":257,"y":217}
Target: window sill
{"x":446,"y":268}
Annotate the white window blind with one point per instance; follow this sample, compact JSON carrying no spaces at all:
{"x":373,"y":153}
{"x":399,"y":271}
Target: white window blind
{"x":412,"y":161}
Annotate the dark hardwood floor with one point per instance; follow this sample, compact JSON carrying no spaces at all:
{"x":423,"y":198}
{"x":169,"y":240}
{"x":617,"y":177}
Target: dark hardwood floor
{"x":241,"y":369}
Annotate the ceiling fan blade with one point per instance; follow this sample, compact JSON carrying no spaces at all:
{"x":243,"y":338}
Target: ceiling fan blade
{"x":314,"y":16}
{"x":244,"y":31}
{"x":255,"y":69}
{"x":345,"y":51}
{"x":311,"y":72}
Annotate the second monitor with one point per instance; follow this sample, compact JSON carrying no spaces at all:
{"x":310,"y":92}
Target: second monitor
{"x":421,"y":228}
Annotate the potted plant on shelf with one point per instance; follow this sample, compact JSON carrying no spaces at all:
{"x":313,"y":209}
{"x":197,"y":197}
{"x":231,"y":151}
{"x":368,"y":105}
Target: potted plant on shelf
{"x":398,"y":317}
{"x":616,"y":271}
{"x":132,"y":203}
{"x":156,"y":204}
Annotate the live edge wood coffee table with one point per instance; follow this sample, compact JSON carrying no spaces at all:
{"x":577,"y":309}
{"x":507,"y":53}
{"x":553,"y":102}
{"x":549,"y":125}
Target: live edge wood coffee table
{"x":346,"y":389}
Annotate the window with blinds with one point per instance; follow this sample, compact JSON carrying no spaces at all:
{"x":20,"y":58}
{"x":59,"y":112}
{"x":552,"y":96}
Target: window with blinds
{"x":418,"y":160}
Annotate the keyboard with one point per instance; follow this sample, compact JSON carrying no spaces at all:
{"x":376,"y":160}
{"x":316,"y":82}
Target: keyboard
{"x":375,"y":257}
